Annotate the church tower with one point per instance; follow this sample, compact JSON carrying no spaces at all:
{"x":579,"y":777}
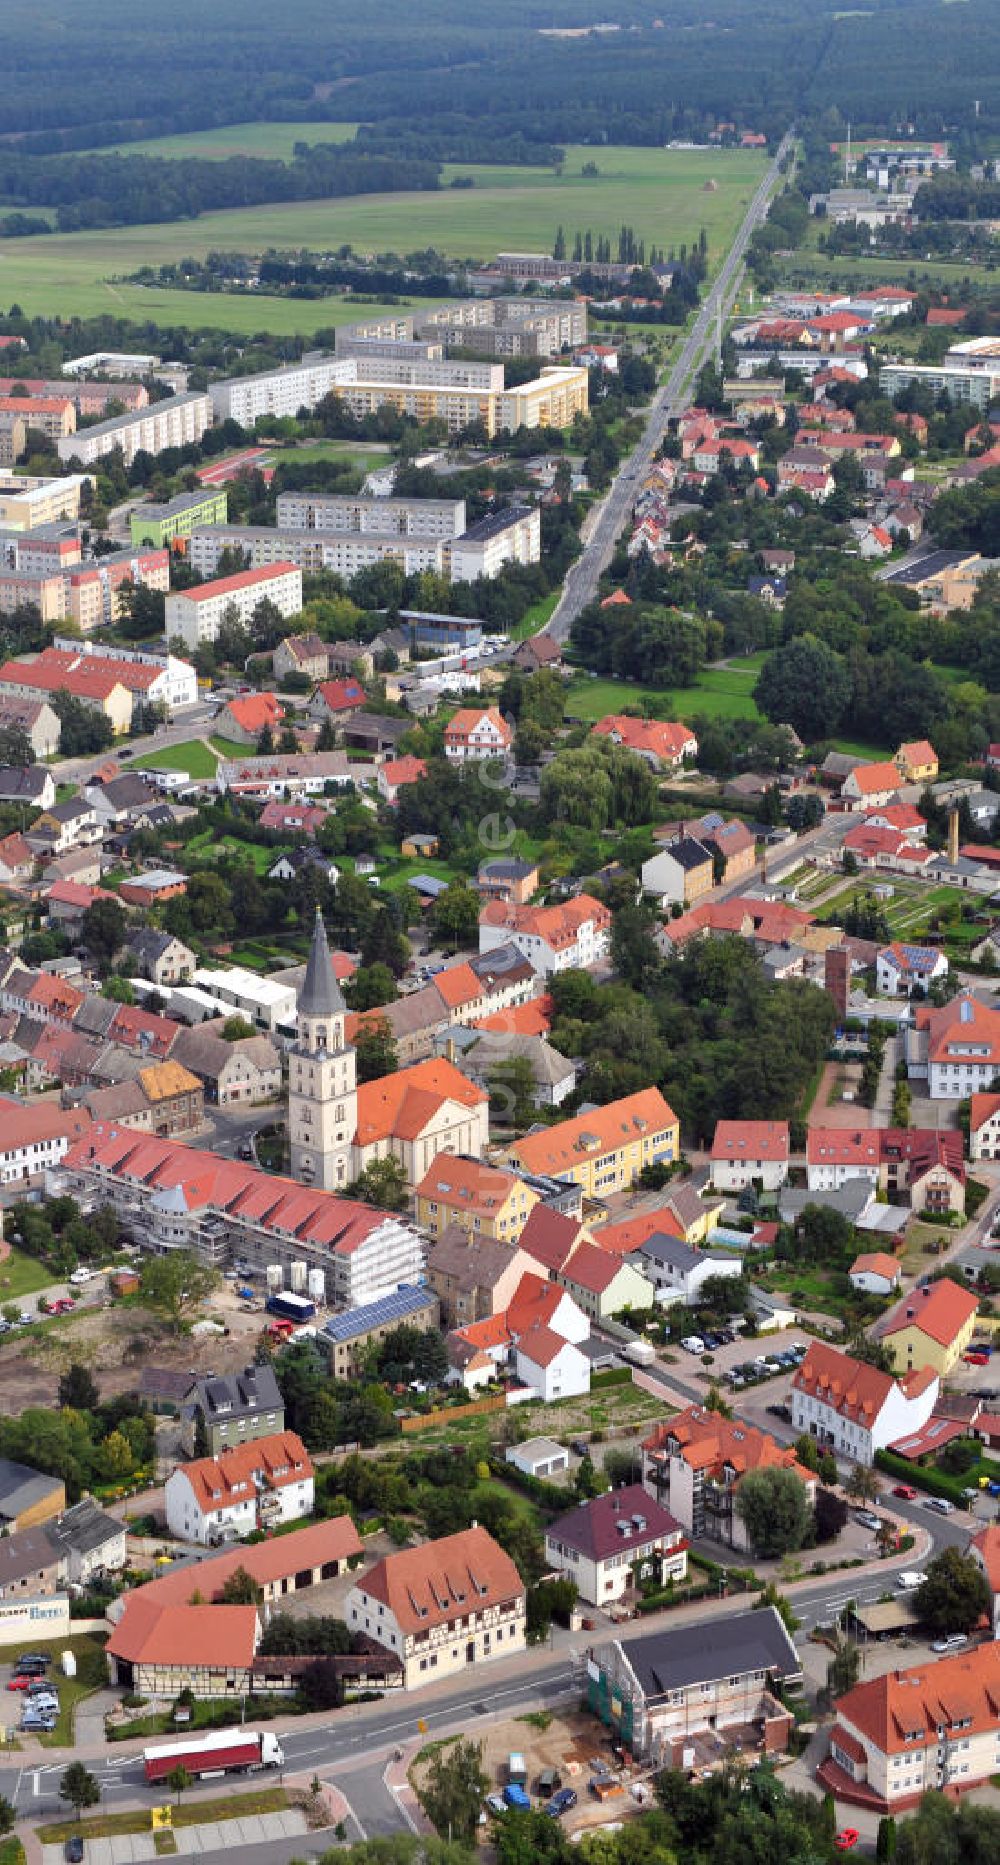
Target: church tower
{"x":322,"y":1077}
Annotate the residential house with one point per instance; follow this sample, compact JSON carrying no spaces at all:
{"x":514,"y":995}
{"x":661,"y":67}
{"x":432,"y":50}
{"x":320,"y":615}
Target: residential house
{"x":159,"y":956}
{"x":984,"y":1126}
{"x":680,"y":874}
{"x":472,"y":736}
{"x":676,"y":1269}
{"x":17,"y":861}
{"x":30,"y":784}
{"x":984,"y":1549}
{"x":508,"y":878}
{"x":549,"y":1365}
{"x":931,"y":1728}
{"x":731,"y":845}
{"x":602,"y":1284}
{"x":875,"y":1273}
{"x":695,"y":1462}
{"x":662,"y":743}
{"x":482,"y":1200}
{"x":223,"y":1409}
{"x":486,"y":1049}
{"x":536,"y":652}
{"x":89,"y":1542}
{"x":244,"y":719}
{"x":931,"y":1327}
{"x":395,"y":773}
{"x":572,"y":935}
{"x":662,"y":1691}
{"x":301,"y":654}
{"x":868,"y":786}
{"x":66,"y":825}
{"x":442,"y":1608}
{"x":855,"y":1409}
{"x":29,"y":1565}
{"x":33,"y":1138}
{"x":908,"y":970}
{"x":749,"y":1152}
{"x":241,"y":1073}
{"x":293,"y":818}
{"x":336,"y":701}
{"x":917,"y":762}
{"x":27,"y":1498}
{"x":615,"y":1544}
{"x":603,"y":1150}
{"x":36,"y":719}
{"x":247,"y":1487}
{"x":956,"y":1050}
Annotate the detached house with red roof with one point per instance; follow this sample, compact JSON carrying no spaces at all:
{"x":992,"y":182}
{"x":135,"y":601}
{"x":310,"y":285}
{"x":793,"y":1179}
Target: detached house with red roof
{"x":917,"y":762}
{"x":869,"y":785}
{"x":930,"y":1327}
{"x":442,"y":1608}
{"x":337,"y":700}
{"x":852,"y":1408}
{"x":749,"y":1152}
{"x":569,"y":936}
{"x":984,"y":1126}
{"x":472,"y":737}
{"x":244,"y":718}
{"x":930,"y":1728}
{"x":955,"y":1050}
{"x":663,"y":743}
{"x":605,"y":1149}
{"x":248,"y":1487}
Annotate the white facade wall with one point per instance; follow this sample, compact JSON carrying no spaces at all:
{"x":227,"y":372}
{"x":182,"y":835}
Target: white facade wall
{"x":565,"y":1377}
{"x":984,"y":1141}
{"x":179,"y":421}
{"x":518,"y":542}
{"x":898,"y":1417}
{"x":734,"y":1175}
{"x":197,"y":614}
{"x":231,"y":1521}
{"x":321,"y":511}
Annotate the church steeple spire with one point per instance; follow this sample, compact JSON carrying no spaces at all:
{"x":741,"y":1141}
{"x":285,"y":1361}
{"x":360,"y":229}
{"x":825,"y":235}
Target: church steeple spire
{"x":322,"y":1076}
{"x":321,"y":994}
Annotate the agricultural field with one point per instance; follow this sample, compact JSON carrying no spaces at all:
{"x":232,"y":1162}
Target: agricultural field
{"x":661,"y":193}
{"x":263,"y":140}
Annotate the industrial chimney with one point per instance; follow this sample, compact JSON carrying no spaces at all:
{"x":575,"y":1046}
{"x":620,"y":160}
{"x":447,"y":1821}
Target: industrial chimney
{"x":953,"y":835}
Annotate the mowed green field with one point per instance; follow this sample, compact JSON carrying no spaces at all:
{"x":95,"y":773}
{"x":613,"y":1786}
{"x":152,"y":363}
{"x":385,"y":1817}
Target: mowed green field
{"x":659,"y":192}
{"x":255,"y":139}
{"x":718,"y":693}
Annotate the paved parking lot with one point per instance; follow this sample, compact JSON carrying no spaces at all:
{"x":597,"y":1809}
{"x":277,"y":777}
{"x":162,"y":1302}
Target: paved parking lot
{"x":133,"y":1848}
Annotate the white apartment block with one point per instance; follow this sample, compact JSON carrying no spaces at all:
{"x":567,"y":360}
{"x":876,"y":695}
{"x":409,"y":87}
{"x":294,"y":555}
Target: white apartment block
{"x":27,"y":503}
{"x":853,"y":1409}
{"x":277,"y":392}
{"x":322,"y":511}
{"x":196,"y":615}
{"x":180,"y":421}
{"x":175,"y":686}
{"x":511,"y":536}
{"x":344,"y":552}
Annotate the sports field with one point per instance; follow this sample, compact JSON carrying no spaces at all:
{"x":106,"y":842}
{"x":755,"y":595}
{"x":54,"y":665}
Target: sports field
{"x":660,"y":193}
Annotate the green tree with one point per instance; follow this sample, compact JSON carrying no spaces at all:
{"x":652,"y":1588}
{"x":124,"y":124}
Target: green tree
{"x":8,"y":1815}
{"x":241,"y":1589}
{"x":454,"y":1790}
{"x":375,"y":1050}
{"x":236,"y":1030}
{"x":844,"y":1668}
{"x":174,"y":1285}
{"x":382,"y":1183}
{"x":954,"y":1596}
{"x":102,"y":930}
{"x":862,"y":1484}
{"x":79,"y":1788}
{"x":15,"y":747}
{"x":511,"y":1086}
{"x":178,"y":1781}
{"x":771,"y":1597}
{"x":885,"y":1840}
{"x":774,"y":1509}
{"x":455,"y":915}
{"x":78,"y":1388}
{"x":83,"y":730}
{"x":804,"y":684}
{"x":371,"y":987}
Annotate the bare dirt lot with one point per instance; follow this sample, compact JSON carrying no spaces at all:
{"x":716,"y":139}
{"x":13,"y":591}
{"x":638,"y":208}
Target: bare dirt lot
{"x":568,"y":1742}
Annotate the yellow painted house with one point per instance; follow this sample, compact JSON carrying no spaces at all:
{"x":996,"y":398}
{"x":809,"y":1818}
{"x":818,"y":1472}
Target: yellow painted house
{"x":917,"y":763}
{"x":931,"y":1326}
{"x":604,"y":1151}
{"x":483,"y":1200}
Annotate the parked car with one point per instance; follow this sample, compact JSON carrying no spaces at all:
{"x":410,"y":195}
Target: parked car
{"x":561,"y":1802}
{"x":81,"y":1275}
{"x":905,"y":1491}
{"x":74,"y":1850}
{"x":867,"y":1519}
{"x":19,"y":1681}
{"x":940,"y":1505}
{"x":976,"y":1359}
{"x":693,"y":1343}
{"x":955,"y":1641}
{"x":33,"y":1658}
{"x":494,"y":1803}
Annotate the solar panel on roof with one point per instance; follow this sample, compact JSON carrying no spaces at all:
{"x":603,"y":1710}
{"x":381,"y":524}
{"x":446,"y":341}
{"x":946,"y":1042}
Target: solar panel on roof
{"x":375,"y":1314}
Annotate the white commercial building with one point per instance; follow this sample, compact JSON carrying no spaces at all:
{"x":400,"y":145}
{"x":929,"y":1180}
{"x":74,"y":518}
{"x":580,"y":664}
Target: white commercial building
{"x":179,"y":421}
{"x":262,"y":1001}
{"x":114,"y":363}
{"x":196,"y":615}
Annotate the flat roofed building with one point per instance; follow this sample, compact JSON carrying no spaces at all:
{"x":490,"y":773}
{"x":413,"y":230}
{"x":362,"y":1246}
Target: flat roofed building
{"x":179,"y":421}
{"x":196,"y":615}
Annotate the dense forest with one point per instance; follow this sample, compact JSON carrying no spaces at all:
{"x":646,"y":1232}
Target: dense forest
{"x":442,"y":83}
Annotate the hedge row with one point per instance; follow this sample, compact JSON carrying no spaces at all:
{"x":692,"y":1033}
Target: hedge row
{"x":935,"y":1482}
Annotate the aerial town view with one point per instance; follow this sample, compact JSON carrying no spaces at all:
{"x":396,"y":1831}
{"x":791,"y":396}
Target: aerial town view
{"x":500,"y":933}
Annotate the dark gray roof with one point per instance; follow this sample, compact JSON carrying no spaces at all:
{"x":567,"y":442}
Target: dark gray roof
{"x":238,"y":1394}
{"x":23,"y":783}
{"x":727,"y":1646}
{"x":931,"y":565}
{"x":504,"y":961}
{"x":26,"y":1552}
{"x":688,"y":853}
{"x":321,"y":995}
{"x":148,"y":944}
{"x":494,"y":523}
{"x":85,"y":1527}
{"x":506,"y":868}
{"x":671,"y":1251}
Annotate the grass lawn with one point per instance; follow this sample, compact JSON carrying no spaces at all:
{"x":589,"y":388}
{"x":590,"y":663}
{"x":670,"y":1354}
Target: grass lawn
{"x":11,"y":1850}
{"x":260,"y":857}
{"x":661,"y":192}
{"x":192,"y":756}
{"x":189,"y":1813}
{"x":227,"y":748}
{"x":536,"y":617}
{"x":21,"y":1275}
{"x":91,"y":1672}
{"x":718,"y":692}
{"x":364,"y":458}
{"x":267,"y":140}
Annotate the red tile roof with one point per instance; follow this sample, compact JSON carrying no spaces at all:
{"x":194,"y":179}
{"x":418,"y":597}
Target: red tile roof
{"x":636,"y":1117}
{"x":215,"y":1638}
{"x":253,"y":711}
{"x":633,"y":1232}
{"x":231,"y":585}
{"x":342,"y":695}
{"x":400,"y":1106}
{"x":709,"y":1442}
{"x":938,"y":1309}
{"x":444,"y":1581}
{"x":987,"y":1546}
{"x":751,"y":1139}
{"x":235,"y":1475}
{"x":559,"y":926}
{"x":665,"y":739}
{"x":851,"y":1387}
{"x":902,"y":1711}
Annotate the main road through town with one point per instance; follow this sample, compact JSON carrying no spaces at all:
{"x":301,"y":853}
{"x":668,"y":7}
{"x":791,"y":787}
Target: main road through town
{"x":580,"y":586}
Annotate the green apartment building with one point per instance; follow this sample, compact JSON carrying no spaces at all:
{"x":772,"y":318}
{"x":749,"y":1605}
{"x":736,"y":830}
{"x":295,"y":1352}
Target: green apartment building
{"x":159,"y":525}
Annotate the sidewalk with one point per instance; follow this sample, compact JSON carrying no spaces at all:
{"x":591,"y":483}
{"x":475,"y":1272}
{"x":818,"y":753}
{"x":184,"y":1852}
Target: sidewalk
{"x":213,"y":1836}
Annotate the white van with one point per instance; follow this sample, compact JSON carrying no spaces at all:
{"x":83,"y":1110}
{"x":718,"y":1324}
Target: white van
{"x":693,"y":1343}
{"x":80,"y":1276}
{"x":906,"y":1582}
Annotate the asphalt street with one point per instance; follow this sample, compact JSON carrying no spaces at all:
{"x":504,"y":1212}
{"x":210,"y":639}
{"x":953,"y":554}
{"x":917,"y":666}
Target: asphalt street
{"x":580,"y":586}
